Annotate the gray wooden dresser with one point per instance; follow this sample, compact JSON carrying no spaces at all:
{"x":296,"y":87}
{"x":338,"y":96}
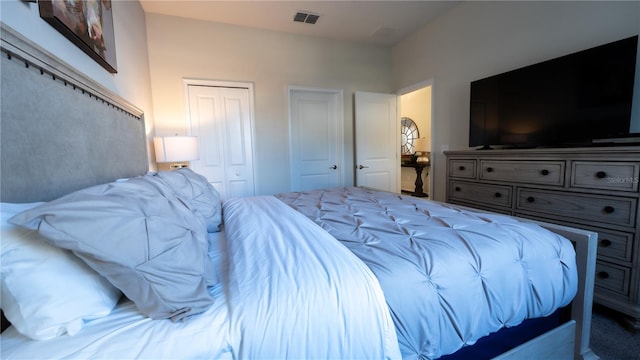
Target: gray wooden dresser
{"x":589,"y":188}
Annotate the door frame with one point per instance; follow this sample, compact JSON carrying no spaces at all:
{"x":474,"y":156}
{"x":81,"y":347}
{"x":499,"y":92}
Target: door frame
{"x":406,"y":90}
{"x":186,"y":82}
{"x":339,"y":93}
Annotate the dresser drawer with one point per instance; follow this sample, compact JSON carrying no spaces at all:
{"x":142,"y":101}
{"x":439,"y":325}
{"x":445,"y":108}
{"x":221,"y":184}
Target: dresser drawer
{"x":621,"y":176}
{"x":531,"y":172}
{"x":582,"y":207}
{"x":462,"y":168}
{"x":483,"y":193}
{"x":613,"y":244}
{"x":612,"y":277}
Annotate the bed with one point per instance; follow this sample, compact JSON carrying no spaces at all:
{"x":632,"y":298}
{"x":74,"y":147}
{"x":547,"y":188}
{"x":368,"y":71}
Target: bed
{"x":331,"y":273}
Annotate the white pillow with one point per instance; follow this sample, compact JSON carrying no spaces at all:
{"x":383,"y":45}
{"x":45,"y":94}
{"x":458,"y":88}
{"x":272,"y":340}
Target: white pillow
{"x":46,"y":291}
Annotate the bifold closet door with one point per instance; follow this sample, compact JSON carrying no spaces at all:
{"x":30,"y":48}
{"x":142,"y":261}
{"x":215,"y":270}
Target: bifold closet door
{"x":221,"y":119}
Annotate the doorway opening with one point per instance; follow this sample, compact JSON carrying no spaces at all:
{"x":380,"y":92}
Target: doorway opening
{"x":415,"y":103}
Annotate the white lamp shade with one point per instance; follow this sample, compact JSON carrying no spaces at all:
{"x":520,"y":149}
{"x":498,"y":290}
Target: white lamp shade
{"x":176,"y":148}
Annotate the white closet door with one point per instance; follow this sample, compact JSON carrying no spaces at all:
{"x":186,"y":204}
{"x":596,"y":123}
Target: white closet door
{"x":221,"y":119}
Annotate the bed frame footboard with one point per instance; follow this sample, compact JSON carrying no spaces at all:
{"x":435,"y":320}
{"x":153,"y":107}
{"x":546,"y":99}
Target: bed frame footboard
{"x":585,"y":243}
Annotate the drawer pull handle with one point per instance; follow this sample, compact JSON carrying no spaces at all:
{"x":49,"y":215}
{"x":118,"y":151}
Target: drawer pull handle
{"x":461,"y":168}
{"x":531,"y":199}
{"x":544,"y":172}
{"x":605,"y":242}
{"x":497,"y":195}
{"x":601,"y":174}
{"x":457,"y":188}
{"x":603,"y":275}
{"x":489,"y":169}
{"x":609,"y":209}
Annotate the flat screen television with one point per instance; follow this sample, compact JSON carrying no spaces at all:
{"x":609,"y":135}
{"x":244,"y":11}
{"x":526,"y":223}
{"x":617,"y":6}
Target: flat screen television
{"x":581,"y":99}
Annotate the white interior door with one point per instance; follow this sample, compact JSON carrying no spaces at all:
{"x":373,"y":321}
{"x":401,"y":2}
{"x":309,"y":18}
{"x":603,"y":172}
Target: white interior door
{"x":315,"y":120}
{"x":221,"y":119}
{"x":377,"y":145}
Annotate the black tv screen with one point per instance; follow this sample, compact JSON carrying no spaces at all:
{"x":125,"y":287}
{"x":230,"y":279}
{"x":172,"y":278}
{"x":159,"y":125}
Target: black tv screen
{"x":575,"y":100}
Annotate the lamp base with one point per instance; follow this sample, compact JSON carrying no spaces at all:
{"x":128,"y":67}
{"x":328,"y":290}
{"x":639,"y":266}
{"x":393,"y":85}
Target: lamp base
{"x":422,"y":157}
{"x":177,"y":166}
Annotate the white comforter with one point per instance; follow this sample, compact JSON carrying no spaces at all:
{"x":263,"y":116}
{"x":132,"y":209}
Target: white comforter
{"x":296,"y":292}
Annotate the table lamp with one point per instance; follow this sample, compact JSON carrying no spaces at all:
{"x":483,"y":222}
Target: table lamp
{"x":176,"y":149}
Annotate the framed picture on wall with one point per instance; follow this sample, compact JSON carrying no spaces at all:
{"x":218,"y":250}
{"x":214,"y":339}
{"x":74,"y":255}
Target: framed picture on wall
{"x":87,"y":23}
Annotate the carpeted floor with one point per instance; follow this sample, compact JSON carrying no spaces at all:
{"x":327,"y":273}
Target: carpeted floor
{"x":610,"y":340}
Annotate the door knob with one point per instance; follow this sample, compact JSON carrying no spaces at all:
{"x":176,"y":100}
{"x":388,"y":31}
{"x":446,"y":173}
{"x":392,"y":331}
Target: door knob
{"x":333,"y":167}
{"x":362,"y":167}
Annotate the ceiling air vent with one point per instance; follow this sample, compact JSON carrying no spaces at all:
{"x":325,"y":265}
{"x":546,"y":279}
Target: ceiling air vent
{"x":306,"y":17}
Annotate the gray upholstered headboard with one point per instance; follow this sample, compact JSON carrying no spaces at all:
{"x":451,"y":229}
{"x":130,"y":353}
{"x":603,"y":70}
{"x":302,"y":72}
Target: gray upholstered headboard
{"x":59,"y":130}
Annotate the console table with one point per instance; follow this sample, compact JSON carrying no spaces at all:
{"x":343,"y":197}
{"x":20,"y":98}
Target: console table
{"x":418,"y":192}
{"x":596,"y":189}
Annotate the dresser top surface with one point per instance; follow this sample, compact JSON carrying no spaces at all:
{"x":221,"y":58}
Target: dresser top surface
{"x":625,"y":151}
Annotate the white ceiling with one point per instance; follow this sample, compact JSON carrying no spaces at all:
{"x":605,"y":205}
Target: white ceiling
{"x":375,"y":22}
